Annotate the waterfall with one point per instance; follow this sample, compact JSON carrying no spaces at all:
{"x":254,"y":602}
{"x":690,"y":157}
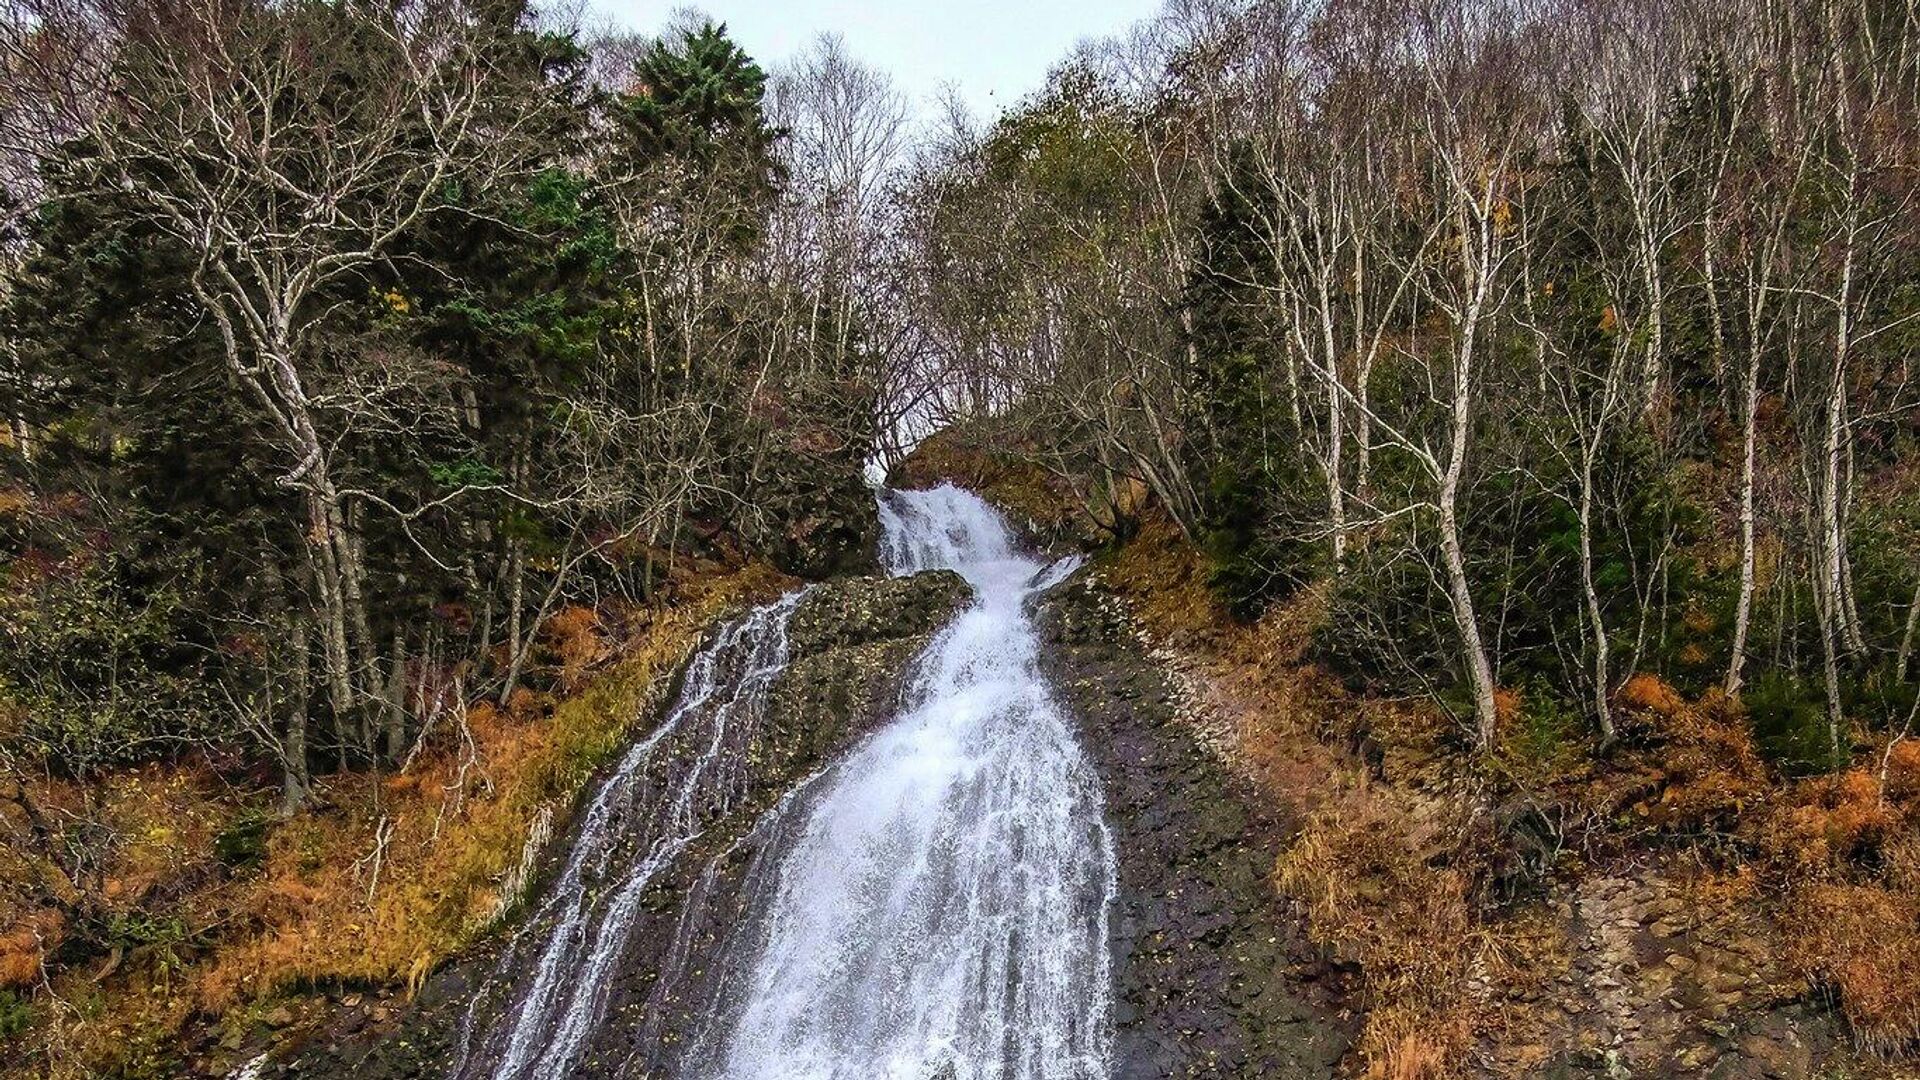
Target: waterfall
{"x":688,"y":770}
{"x":932,"y":905}
{"x":940,"y":913}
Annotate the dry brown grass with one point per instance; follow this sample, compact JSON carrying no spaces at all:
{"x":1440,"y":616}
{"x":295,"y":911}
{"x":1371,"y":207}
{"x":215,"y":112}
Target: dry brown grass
{"x":131,"y":875}
{"x":1901,"y":765}
{"x":376,"y":886}
{"x":1684,"y":771}
{"x":24,"y":947}
{"x":1863,"y":942}
{"x":1847,"y":848}
{"x":1649,"y":694}
{"x":1373,"y":900}
{"x":1830,"y":823}
{"x":454,"y":827}
{"x":1414,"y":1044}
{"x":577,"y":640}
{"x":1701,"y":756}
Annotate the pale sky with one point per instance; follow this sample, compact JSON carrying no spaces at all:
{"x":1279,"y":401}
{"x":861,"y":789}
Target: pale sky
{"x":993,"y":51}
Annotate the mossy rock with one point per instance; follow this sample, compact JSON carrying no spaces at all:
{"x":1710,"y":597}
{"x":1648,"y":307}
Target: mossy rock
{"x":864,"y":610}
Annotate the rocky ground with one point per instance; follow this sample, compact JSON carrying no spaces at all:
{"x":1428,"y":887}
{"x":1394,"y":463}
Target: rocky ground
{"x":1672,"y":970}
{"x":1214,"y":978}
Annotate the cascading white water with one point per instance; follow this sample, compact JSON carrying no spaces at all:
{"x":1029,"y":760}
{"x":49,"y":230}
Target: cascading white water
{"x":640,"y":819}
{"x":941,"y":912}
{"x":931,"y":906}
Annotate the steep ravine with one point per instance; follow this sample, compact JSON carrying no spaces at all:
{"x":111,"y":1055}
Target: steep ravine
{"x":1208,"y":975}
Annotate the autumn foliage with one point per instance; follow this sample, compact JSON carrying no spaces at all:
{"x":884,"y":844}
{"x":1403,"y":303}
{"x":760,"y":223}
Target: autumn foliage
{"x":180,"y":923}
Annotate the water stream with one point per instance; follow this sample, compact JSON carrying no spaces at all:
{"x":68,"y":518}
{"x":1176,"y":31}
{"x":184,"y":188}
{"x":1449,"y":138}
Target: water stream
{"x":648,"y":810}
{"x":942,"y":911}
{"x":931,"y":906}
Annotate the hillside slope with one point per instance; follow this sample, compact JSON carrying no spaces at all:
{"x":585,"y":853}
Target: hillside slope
{"x":1672,"y":907}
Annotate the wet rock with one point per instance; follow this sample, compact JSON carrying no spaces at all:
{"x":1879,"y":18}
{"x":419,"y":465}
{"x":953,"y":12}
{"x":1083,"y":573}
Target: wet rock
{"x":859,"y":611}
{"x":1212,"y":977}
{"x":851,"y":641}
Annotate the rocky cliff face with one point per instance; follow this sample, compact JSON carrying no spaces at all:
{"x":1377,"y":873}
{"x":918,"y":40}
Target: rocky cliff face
{"x":851,"y":641}
{"x":1662,"y":968}
{"x":1214,"y":979}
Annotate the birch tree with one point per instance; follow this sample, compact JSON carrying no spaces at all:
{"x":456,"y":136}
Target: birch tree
{"x":288,"y":152}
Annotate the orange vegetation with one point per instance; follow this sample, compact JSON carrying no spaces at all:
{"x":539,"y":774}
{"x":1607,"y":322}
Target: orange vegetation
{"x":23,"y":948}
{"x":1699,"y":760}
{"x":1384,"y":879}
{"x":1647,"y":693}
{"x":1373,"y":900}
{"x":402,"y":873}
{"x":380,"y":881}
{"x":1863,"y":941}
{"x":1848,"y":847}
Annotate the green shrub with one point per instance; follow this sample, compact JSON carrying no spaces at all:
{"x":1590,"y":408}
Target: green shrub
{"x":1546,"y":728}
{"x":242,"y":845}
{"x":1790,"y":725}
{"x":16,"y":1014}
{"x":96,"y":672}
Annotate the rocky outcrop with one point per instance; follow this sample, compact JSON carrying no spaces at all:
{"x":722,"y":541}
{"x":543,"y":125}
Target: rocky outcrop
{"x":813,"y":517}
{"x":980,"y":456}
{"x":1671,"y":970}
{"x":851,"y":643}
{"x":1212,"y":977}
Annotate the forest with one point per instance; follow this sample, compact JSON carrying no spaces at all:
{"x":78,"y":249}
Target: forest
{"x":380,"y":375}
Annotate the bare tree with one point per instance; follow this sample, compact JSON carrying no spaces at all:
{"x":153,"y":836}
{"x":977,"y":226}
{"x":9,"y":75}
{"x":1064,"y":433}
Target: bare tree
{"x":227,"y":130}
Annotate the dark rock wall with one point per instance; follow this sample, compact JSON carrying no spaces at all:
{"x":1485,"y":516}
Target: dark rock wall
{"x":1212,"y":978}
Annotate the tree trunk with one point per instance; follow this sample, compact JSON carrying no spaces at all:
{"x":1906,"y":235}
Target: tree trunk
{"x":1596,"y":619}
{"x":396,"y":704}
{"x":1830,"y":671}
{"x":1655,"y":373}
{"x":1743,"y":610}
{"x":1336,"y":435}
{"x":1833,"y":548}
{"x":1363,"y":374}
{"x":1466,"y":620}
{"x":325,"y":578}
{"x":516,"y":596}
{"x":1480,"y":281}
{"x":293,"y":746}
{"x":1479,"y":671}
{"x":1905,"y":655}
